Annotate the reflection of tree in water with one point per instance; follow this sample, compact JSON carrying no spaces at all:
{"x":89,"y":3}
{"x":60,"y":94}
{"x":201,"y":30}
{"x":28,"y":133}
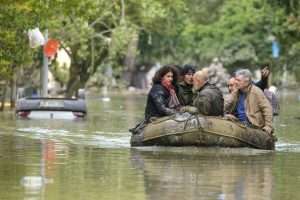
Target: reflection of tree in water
{"x":205,"y":175}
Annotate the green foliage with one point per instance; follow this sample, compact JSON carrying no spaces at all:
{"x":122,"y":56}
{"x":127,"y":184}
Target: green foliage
{"x":120,"y":38}
{"x":238,"y":36}
{"x":238,"y":32}
{"x":97,"y":33}
{"x":13,"y":45}
{"x":61,"y":73}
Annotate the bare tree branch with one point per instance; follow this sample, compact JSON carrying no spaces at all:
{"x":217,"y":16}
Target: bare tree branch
{"x":66,"y":49}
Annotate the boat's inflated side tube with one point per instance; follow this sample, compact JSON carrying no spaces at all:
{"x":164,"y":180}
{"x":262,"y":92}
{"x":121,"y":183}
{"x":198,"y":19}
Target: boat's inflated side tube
{"x":197,"y":130}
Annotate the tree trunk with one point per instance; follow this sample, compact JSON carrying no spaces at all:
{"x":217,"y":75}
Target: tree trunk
{"x":3,"y":94}
{"x":72,"y":85}
{"x":13,"y":89}
{"x":130,"y":57}
{"x":78,"y":78}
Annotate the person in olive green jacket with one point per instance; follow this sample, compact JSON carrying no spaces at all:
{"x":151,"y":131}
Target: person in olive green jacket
{"x":185,"y":87}
{"x":249,"y":104}
{"x":208,"y":99}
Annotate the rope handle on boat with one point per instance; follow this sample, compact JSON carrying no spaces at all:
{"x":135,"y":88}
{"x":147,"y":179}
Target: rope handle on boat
{"x":189,"y":118}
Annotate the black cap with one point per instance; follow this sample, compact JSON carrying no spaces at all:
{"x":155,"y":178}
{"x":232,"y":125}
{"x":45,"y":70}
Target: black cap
{"x":187,"y":69}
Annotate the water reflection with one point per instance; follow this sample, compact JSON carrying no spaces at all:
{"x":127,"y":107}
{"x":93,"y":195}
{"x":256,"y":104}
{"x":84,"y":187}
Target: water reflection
{"x":205,"y":174}
{"x":92,"y":159}
{"x":34,"y":182}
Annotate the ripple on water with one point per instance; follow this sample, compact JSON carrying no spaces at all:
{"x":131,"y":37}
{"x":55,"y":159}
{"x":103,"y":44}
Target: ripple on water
{"x":287,"y":147}
{"x":98,"y":139}
{"x":107,"y":139}
{"x":43,"y":131}
{"x":110,"y":142}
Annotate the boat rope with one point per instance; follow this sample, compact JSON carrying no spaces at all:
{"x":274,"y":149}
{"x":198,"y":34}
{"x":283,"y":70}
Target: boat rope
{"x":188,"y":119}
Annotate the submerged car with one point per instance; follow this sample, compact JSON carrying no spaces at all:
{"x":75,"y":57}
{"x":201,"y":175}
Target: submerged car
{"x":57,"y":108}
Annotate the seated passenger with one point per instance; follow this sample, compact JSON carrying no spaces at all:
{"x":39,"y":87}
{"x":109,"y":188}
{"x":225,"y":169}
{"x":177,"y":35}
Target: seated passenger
{"x":208,"y":99}
{"x":232,"y":86}
{"x":185,"y":87}
{"x":249,"y":104}
{"x":273,"y":99}
{"x":162,"y":99}
{"x":263,"y":82}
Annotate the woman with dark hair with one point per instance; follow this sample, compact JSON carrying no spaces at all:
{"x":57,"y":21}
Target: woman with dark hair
{"x":162,"y":99}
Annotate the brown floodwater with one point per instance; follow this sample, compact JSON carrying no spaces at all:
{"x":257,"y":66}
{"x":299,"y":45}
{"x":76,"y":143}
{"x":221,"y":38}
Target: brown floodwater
{"x":92,"y":159}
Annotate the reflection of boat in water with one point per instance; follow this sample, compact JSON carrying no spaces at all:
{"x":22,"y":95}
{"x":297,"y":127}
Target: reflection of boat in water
{"x":196,"y":130}
{"x":205,"y":173}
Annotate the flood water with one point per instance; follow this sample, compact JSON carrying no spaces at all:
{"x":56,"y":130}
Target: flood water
{"x":92,"y":159}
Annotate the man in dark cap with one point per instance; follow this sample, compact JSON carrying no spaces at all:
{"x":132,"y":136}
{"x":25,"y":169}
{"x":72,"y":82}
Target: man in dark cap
{"x":185,"y":86}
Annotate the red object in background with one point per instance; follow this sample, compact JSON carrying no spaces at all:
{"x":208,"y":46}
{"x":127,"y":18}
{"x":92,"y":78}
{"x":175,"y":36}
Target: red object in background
{"x":51,"y":47}
{"x":24,"y":113}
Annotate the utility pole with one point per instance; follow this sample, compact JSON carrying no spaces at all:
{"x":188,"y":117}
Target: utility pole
{"x":44,"y":71}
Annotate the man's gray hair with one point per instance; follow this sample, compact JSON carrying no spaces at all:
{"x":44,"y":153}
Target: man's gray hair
{"x":245,"y":73}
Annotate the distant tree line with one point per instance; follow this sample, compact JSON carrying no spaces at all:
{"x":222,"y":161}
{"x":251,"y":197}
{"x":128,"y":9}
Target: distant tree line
{"x":124,"y":33}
